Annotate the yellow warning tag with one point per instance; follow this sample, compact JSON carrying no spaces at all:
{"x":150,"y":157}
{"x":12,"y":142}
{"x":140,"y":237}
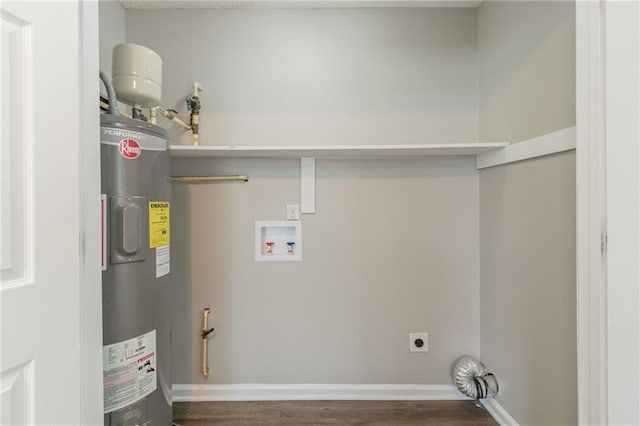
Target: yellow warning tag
{"x":158,"y":223}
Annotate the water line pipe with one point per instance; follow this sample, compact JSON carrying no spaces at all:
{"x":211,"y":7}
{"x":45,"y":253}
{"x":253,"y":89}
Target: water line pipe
{"x":111,"y":94}
{"x":152,"y":115}
{"x":171,"y":116}
{"x":200,"y":179}
{"x":205,"y":342}
{"x":104,"y":106}
{"x":193,"y":104}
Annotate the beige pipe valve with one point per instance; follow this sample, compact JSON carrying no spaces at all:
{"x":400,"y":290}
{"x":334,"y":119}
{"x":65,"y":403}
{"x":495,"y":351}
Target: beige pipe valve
{"x":205,"y":342}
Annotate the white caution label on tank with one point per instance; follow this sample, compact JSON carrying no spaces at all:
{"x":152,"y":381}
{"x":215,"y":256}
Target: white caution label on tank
{"x":163,"y":261}
{"x":129,"y":371}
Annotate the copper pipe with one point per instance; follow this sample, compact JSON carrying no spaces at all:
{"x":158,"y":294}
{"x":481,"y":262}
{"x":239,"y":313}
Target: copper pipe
{"x":205,"y":342}
{"x":244,"y":178}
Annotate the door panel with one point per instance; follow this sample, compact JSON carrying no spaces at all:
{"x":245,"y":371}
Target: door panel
{"x":17,"y":400}
{"x":16,"y":178}
{"x":40,"y":380}
{"x":16,"y":211}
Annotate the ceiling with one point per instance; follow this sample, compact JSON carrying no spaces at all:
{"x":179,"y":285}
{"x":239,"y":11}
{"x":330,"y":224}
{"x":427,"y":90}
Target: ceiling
{"x":281,"y":4}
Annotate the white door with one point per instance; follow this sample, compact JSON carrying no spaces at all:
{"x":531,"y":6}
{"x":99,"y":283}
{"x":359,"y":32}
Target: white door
{"x":42,"y":352}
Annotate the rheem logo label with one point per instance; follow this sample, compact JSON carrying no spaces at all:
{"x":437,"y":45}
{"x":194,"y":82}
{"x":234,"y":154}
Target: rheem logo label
{"x":129,"y":148}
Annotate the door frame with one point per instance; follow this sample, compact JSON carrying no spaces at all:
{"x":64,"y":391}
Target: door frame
{"x":590,"y":213}
{"x":608,"y":211}
{"x":89,"y":233}
{"x":590,"y":216}
{"x":622,"y":140}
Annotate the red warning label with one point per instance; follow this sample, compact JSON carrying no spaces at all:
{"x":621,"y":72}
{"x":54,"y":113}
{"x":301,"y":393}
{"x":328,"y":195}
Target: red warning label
{"x":129,"y":148}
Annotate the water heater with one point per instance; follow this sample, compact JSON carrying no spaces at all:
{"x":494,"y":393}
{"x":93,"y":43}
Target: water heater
{"x":136,"y":270}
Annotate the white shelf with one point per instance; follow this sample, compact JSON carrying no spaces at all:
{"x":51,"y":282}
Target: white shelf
{"x":335,"y":151}
{"x":291,"y":4}
{"x":548,"y":144}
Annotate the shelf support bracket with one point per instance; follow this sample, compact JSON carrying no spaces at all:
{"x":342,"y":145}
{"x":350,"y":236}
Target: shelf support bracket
{"x":307,"y":185}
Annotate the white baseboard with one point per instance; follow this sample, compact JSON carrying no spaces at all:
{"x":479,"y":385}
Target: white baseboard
{"x":551,"y":143}
{"x":269,"y":392}
{"x":498,"y":412}
{"x":315,"y":392}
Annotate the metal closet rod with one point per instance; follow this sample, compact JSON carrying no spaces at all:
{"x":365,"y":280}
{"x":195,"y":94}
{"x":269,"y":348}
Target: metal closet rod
{"x":243,"y":178}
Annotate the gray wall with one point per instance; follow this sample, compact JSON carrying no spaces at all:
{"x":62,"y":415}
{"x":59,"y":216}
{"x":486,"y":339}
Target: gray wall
{"x":527,"y":211}
{"x":393,"y":248}
{"x":528,"y":297}
{"x":526,"y":64}
{"x":319,"y":76}
{"x":111,"y":31}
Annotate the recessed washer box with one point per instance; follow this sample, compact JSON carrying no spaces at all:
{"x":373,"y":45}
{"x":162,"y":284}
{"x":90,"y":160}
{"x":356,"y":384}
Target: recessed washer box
{"x":278,"y":240}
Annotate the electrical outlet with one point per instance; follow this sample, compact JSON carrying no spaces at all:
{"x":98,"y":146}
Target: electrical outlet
{"x":293,"y":212}
{"x":418,"y":342}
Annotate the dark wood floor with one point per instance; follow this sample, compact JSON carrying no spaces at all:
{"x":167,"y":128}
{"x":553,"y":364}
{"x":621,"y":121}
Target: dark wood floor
{"x":331,"y":413}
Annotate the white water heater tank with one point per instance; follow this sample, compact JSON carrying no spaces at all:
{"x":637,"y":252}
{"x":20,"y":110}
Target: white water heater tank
{"x":137,"y":75}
